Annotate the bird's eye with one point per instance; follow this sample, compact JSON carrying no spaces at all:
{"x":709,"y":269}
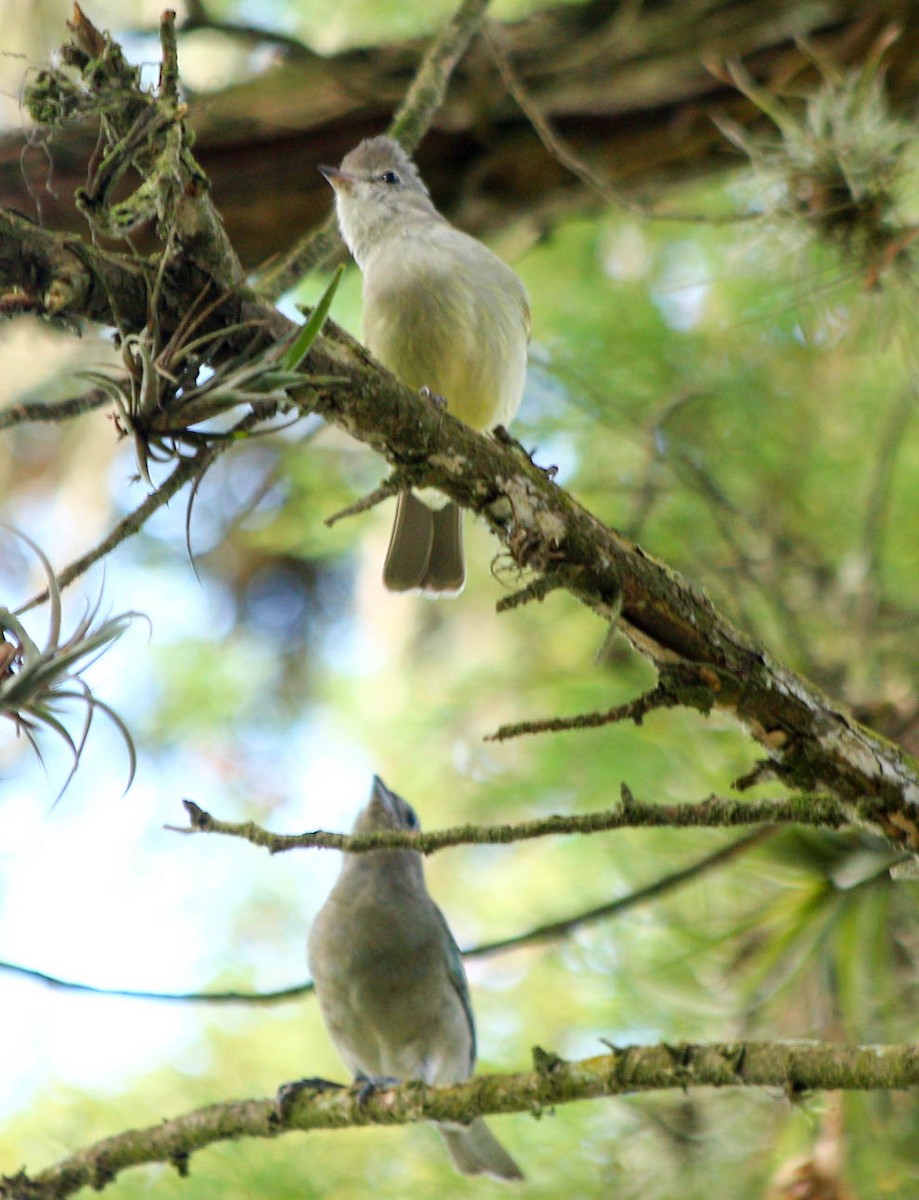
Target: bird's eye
{"x":390,"y":177}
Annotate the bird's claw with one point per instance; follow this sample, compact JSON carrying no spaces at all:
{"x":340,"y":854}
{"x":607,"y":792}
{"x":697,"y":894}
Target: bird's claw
{"x":427,"y":394}
{"x":367,"y":1085}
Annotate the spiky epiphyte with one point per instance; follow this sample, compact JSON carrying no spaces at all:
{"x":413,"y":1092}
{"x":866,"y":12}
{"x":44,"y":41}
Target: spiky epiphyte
{"x":37,"y":683}
{"x":842,"y":170}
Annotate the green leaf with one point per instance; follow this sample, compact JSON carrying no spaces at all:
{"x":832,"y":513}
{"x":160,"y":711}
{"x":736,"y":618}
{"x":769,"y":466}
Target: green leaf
{"x":300,"y":346}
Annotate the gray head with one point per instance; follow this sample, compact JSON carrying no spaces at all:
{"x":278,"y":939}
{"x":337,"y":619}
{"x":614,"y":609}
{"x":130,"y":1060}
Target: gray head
{"x":378,"y":191}
{"x":385,"y":810}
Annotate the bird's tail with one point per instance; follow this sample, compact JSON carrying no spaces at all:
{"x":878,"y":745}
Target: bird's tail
{"x":426,"y":548}
{"x":476,"y":1151}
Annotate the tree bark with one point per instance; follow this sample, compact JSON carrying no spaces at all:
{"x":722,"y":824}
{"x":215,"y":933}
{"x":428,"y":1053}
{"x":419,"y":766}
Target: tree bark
{"x":794,"y":1067}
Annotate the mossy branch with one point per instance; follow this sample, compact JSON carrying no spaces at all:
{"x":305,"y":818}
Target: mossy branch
{"x":793,"y":1068}
{"x":820,"y":810}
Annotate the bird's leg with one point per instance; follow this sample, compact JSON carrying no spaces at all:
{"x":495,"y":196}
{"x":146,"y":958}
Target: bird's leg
{"x":427,"y":394}
{"x":366,"y":1085}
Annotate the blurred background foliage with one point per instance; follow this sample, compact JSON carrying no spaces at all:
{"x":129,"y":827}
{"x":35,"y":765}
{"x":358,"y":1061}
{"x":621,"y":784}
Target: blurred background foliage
{"x":740,"y":398}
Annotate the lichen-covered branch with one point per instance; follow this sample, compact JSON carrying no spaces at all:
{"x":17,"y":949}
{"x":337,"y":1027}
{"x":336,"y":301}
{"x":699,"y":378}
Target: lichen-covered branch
{"x":631,"y":814}
{"x":794,"y":1068}
{"x":704,"y":660}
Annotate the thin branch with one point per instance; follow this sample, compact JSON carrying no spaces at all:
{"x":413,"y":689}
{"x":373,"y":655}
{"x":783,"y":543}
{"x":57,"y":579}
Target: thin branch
{"x":389,"y":487}
{"x":791,"y":1067}
{"x":223,"y":997}
{"x":186,"y":470}
{"x":559,"y":149}
{"x":409,"y":124}
{"x":555,"y":930}
{"x":822,"y":810}
{"x":53,"y":410}
{"x":635,"y":710}
{"x":540,"y":933}
{"x":537,"y":590}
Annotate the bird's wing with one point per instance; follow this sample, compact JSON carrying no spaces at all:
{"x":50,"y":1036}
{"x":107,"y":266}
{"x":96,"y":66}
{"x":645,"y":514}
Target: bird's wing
{"x":457,"y":977}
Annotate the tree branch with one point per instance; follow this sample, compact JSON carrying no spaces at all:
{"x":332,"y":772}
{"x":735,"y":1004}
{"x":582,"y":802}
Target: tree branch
{"x":554,"y":930}
{"x":632,"y":814}
{"x":53,"y":410}
{"x":540,"y":933}
{"x":793,"y":1067}
{"x":811,"y":745}
{"x":635,"y":710}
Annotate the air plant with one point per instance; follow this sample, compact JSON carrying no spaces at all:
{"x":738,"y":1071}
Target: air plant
{"x":841,"y":170}
{"x":36,"y":683}
{"x":171,"y":387}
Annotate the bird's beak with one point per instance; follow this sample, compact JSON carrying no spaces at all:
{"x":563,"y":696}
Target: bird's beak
{"x":381,"y":793}
{"x":383,"y":801}
{"x":337,"y":178}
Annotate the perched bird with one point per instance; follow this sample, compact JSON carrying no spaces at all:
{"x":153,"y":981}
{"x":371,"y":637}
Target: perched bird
{"x":390,"y":980}
{"x":441,"y":312}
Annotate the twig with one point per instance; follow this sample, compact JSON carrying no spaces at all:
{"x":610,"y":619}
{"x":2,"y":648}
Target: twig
{"x":790,"y":1067}
{"x":187,"y":469}
{"x":554,"y":930}
{"x":53,"y":410}
{"x":635,"y":710}
{"x":222,"y":997}
{"x":537,"y":590}
{"x":409,"y":124}
{"x":632,"y":814}
{"x":570,"y":160}
{"x":390,"y":487}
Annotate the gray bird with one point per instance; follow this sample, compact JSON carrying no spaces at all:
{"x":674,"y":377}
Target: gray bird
{"x":390,"y":980}
{"x":440,"y":311}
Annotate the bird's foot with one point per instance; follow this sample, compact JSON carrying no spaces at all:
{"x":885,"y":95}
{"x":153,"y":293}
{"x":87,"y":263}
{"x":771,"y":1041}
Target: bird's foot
{"x":437,"y":400}
{"x":366,"y":1085}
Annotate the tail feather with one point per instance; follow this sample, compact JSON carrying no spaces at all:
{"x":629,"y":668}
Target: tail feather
{"x":475,"y":1150}
{"x":426,"y":548}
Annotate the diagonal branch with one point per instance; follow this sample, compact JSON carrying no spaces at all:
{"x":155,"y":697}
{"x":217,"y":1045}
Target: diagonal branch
{"x":53,"y":410}
{"x":540,"y":933}
{"x":187,"y":469}
{"x":810,"y":743}
{"x":554,"y":930}
{"x":792,"y":1067}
